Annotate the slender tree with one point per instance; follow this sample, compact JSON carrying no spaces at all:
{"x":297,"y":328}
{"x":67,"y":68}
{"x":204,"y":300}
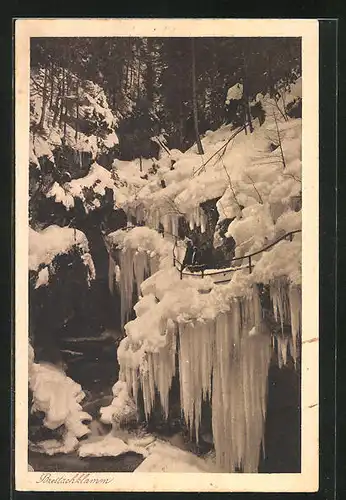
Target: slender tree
{"x":77,"y":110}
{"x":194,"y":98}
{"x":44,"y":98}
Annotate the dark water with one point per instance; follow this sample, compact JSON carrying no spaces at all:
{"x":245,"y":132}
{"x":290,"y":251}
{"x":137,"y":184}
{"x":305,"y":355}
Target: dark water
{"x":127,"y":462}
{"x":282,"y":428}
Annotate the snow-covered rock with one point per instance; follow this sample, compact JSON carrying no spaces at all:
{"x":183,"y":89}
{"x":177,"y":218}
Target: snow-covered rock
{"x":59,"y":398}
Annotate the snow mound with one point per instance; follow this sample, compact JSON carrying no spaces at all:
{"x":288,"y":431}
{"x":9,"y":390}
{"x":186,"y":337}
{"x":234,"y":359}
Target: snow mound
{"x":164,"y":457}
{"x":58,"y":397}
{"x":91,"y":188}
{"x":122,"y":409}
{"x":109,"y":446}
{"x":45,"y":245}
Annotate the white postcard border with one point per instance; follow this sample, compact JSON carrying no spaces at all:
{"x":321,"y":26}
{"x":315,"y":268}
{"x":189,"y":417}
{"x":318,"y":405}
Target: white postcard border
{"x":307,"y":480}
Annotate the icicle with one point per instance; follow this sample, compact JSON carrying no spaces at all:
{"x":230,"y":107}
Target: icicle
{"x":154,"y":264}
{"x":203,"y":222}
{"x":278,"y":294}
{"x":191,"y":221}
{"x":135,"y":267}
{"x":295,"y":312}
{"x":140,"y":268}
{"x":257,"y":309}
{"x":282,"y":344}
{"x":111,"y":274}
{"x":175,"y":222}
{"x":195,"y":370}
{"x":197,"y":216}
{"x":134,"y":384}
{"x":286,"y":301}
{"x":164,"y":369}
{"x":129,"y":217}
{"x":126,"y":284}
{"x":166,"y":223}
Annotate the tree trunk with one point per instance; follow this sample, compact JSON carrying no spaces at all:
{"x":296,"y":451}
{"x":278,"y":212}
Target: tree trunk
{"x":194,"y":100}
{"x":62,"y":97}
{"x":138,"y":78}
{"x":57,"y":108}
{"x":51,"y":92}
{"x":126,"y":75}
{"x":44,"y":99}
{"x":247,"y":112}
{"x":140,"y":164}
{"x":249,"y":115}
{"x":77,"y":112}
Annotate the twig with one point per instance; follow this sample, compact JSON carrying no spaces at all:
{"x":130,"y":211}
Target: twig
{"x":173,"y":205}
{"x":259,"y":196}
{"x":287,"y":174}
{"x":279,"y":139}
{"x":223,"y":146}
{"x":278,"y":107}
{"x":279,"y":159}
{"x":231,"y":185}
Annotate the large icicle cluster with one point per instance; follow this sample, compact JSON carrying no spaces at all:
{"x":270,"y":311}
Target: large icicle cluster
{"x":163,"y":214}
{"x":141,"y":251}
{"x":286,"y":300}
{"x":224,"y":349}
{"x":227,"y":361}
{"x":239,"y":399}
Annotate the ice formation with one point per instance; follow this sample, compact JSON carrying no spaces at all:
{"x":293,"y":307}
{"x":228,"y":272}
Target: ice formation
{"x":286,"y":301}
{"x":218,"y":338}
{"x":224,"y":350}
{"x":58,"y":397}
{"x":140,"y":253}
{"x":239,"y":396}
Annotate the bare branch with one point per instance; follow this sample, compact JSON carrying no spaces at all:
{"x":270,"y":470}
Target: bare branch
{"x":173,"y":205}
{"x":220,"y":149}
{"x":231,"y":185}
{"x":287,"y":174}
{"x":279,"y":139}
{"x":255,"y":188}
{"x":278,"y":107}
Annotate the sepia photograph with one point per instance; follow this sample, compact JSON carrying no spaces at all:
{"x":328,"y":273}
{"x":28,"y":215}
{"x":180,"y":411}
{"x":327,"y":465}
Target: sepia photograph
{"x":167,"y":228}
